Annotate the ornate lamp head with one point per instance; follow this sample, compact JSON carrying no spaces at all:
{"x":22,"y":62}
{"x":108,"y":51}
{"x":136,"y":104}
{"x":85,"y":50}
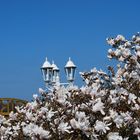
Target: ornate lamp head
{"x":70,"y":68}
{"x":47,"y":72}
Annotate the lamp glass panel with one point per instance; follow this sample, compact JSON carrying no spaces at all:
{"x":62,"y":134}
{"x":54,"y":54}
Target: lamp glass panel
{"x":55,"y":75}
{"x":49,"y":75}
{"x":44,"y":72}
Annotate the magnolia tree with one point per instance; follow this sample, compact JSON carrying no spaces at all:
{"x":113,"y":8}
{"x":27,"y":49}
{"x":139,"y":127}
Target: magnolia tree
{"x":107,"y":107}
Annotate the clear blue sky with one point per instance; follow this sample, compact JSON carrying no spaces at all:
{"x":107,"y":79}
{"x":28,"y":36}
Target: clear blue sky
{"x":30,"y":30}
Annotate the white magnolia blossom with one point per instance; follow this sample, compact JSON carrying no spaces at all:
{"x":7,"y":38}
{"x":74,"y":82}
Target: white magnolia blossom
{"x":30,"y":116}
{"x":35,"y":96}
{"x":64,"y":127}
{"x":61,"y":95}
{"x":41,"y":91}
{"x":98,"y":106}
{"x":120,"y":38}
{"x":132,"y":98}
{"x":118,"y":120}
{"x":110,"y":41}
{"x":114,"y":136}
{"x":113,"y":99}
{"x":126,"y":116}
{"x":106,"y":107}
{"x":135,"y":107}
{"x":101,"y":126}
{"x":2,"y":120}
{"x":137,"y":131}
{"x":33,"y":130}
{"x":81,"y":122}
{"x":50,"y":114}
{"x":13,"y":116}
{"x":32,"y":106}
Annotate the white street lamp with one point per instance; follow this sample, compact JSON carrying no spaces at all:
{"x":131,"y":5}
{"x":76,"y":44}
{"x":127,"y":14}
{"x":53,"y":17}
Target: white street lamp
{"x":51,"y":74}
{"x":55,"y":74}
{"x":47,"y":72}
{"x":70,"y":70}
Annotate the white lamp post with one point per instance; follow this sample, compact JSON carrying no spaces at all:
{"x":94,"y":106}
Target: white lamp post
{"x":47,"y":72}
{"x":51,"y":74}
{"x":70,"y":70}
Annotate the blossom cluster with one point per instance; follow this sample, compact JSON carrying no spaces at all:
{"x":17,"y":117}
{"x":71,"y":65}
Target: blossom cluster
{"x":107,"y":107}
